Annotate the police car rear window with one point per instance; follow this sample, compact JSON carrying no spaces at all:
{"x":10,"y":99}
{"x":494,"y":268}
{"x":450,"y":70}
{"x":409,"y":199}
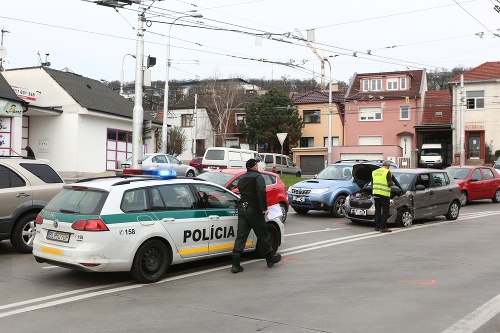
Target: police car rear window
{"x":71,"y":201}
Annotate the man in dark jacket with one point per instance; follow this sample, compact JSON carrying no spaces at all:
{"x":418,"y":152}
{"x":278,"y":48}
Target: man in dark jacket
{"x":252,"y":215}
{"x":30,"y":152}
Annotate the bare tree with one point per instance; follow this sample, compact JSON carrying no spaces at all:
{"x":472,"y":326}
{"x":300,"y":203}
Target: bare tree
{"x":221,"y":98}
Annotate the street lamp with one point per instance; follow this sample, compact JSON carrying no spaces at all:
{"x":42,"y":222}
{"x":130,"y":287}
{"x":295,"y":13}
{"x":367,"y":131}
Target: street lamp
{"x":121,"y":81}
{"x":329,"y":141}
{"x":165,"y":101}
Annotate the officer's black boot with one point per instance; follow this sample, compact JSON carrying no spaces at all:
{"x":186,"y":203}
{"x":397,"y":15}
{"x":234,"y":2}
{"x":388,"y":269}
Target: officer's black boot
{"x":272,"y":259}
{"x":236,"y":268}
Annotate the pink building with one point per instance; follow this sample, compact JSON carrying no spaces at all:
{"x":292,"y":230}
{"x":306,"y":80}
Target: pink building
{"x":381,"y":112}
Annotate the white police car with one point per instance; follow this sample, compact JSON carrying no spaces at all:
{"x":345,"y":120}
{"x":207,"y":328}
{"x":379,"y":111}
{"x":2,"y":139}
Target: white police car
{"x":141,"y":225}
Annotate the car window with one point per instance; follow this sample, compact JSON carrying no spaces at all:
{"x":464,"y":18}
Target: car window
{"x":9,"y":178}
{"x":423,"y":179}
{"x":43,"y":171}
{"x":268,"y":179}
{"x":268,"y":158}
{"x":80,"y":201}
{"x":334,"y":172}
{"x":177,"y":197}
{"x":476,"y":175}
{"x":440,"y":179}
{"x":458,"y":173}
{"x":404,"y":180}
{"x":159,"y":159}
{"x":218,"y":178}
{"x":488,"y":174}
{"x":289,"y":161}
{"x":174,"y":160}
{"x":214,"y":197}
{"x":135,"y":200}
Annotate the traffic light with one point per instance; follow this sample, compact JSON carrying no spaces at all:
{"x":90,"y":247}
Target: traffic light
{"x":151,"y":62}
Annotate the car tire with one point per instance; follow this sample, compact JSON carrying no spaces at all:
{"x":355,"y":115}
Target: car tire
{"x":23,"y":233}
{"x":190,"y":173}
{"x":274,"y":236}
{"x":463,"y":198}
{"x":404,"y":218}
{"x":301,"y":211}
{"x":496,"y":198}
{"x":453,"y":210}
{"x":338,"y":206}
{"x":298,"y":174}
{"x":283,"y":212}
{"x":151,"y":261}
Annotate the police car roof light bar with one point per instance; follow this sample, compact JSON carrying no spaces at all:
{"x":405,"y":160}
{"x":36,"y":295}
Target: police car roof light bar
{"x":163,"y":174}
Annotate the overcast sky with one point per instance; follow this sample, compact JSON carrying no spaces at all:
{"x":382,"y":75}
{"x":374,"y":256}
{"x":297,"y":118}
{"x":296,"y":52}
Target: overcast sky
{"x":252,"y":38}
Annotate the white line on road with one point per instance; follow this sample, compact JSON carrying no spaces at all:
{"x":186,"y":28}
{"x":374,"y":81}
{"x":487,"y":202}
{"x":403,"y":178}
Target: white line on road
{"x":477,"y":318}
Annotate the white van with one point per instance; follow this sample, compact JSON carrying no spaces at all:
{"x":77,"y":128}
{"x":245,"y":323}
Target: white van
{"x":227,"y":158}
{"x":431,"y":156}
{"x":280,"y":163}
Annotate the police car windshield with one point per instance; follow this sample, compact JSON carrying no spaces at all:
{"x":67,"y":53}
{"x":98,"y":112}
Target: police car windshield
{"x":218,"y":178}
{"x":336,"y":172}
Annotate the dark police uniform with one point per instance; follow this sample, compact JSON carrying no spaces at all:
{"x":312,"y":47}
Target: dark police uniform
{"x":253,"y":204}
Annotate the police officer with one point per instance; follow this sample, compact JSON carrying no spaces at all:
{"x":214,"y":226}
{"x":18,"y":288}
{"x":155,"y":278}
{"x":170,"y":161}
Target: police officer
{"x":251,"y":215}
{"x":381,"y":190}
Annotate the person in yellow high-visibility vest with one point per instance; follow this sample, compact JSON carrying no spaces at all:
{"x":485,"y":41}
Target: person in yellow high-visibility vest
{"x":381,"y":190}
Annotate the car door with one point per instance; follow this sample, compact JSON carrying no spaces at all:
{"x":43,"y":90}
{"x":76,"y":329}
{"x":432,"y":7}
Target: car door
{"x":220,"y":207}
{"x":440,"y":184}
{"x":423,"y":200}
{"x":476,"y":185}
{"x":183,"y":217}
{"x":490,"y":183}
{"x":176,"y":165}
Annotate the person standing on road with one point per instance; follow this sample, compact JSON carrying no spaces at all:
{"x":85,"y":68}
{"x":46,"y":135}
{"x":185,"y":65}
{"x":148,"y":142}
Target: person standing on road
{"x":381,"y":190}
{"x":30,"y":152}
{"x":252,"y":215}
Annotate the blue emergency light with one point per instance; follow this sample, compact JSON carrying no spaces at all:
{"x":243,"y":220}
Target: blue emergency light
{"x":163,"y":174}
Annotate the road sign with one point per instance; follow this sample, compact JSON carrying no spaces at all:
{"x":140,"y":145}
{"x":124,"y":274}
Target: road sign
{"x":281,"y":137}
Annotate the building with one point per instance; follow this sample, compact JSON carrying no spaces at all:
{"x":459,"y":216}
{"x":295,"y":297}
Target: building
{"x":381,"y":112}
{"x":478,"y":102}
{"x":79,"y":124}
{"x":312,"y":153}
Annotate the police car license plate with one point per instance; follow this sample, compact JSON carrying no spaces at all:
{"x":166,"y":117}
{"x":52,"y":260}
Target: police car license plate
{"x":58,"y":236}
{"x":356,"y":211}
{"x":300,"y":199}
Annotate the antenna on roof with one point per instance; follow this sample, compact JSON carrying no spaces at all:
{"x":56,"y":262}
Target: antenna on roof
{"x":46,"y":63}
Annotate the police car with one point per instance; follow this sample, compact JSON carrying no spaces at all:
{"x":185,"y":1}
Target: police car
{"x":141,"y":225}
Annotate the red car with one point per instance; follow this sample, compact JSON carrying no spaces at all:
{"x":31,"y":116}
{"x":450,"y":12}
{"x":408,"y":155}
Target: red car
{"x":196,"y":163}
{"x":476,"y":182}
{"x":275,"y":188}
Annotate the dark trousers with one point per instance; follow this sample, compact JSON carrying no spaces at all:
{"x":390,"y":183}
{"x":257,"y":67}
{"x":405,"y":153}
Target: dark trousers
{"x":382,"y":205}
{"x":249,"y":219}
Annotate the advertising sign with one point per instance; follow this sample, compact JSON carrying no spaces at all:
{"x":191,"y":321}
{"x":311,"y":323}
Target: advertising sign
{"x":10,"y":109}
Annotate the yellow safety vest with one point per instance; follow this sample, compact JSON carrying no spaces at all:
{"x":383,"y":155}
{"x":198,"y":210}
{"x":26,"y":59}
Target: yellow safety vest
{"x":380,"y":186}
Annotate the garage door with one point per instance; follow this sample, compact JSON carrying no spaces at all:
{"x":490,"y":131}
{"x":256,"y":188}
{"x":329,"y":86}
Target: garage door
{"x":311,"y":165}
{"x":362,"y":156}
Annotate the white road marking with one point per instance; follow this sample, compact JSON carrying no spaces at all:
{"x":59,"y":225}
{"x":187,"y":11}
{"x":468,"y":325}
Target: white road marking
{"x":476,"y":318}
{"x":482,"y":314}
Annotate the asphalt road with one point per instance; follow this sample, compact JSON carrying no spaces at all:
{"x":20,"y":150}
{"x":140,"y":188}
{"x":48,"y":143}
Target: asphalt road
{"x":335,"y":276}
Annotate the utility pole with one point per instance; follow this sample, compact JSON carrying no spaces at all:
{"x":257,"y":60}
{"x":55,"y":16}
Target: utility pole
{"x":321,"y":59}
{"x":138,"y":111}
{"x":462,"y":122}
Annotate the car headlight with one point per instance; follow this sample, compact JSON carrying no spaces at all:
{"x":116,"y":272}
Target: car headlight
{"x":319,"y":190}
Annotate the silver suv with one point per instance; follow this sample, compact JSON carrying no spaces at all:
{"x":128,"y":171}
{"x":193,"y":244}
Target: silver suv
{"x":26,"y":185}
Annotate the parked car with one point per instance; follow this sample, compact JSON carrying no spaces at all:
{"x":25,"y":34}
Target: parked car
{"x":275,"y":188}
{"x":496,"y":165}
{"x":26,"y":185}
{"x":476,"y":182}
{"x":141,"y":225}
{"x":328,"y":189}
{"x":418,"y":193}
{"x":228,"y":158}
{"x":159,"y":161}
{"x":197,"y":163}
{"x":280,"y":163}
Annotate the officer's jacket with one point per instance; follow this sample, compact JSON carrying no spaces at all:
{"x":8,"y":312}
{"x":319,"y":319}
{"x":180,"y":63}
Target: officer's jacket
{"x":252,"y":189}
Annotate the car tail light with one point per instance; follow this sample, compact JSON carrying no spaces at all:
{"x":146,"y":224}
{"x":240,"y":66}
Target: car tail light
{"x":89,"y":225}
{"x":39,"y":219}
{"x":274,"y":168}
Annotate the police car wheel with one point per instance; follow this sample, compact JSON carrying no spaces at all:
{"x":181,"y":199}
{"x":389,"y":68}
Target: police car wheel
{"x":23,"y":233}
{"x":151,"y":262}
{"x":274,"y":237}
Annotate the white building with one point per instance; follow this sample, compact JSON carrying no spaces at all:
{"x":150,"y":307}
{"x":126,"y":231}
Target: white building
{"x":79,"y":124}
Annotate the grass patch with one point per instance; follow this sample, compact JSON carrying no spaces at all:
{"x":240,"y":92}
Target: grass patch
{"x":290,"y":179}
